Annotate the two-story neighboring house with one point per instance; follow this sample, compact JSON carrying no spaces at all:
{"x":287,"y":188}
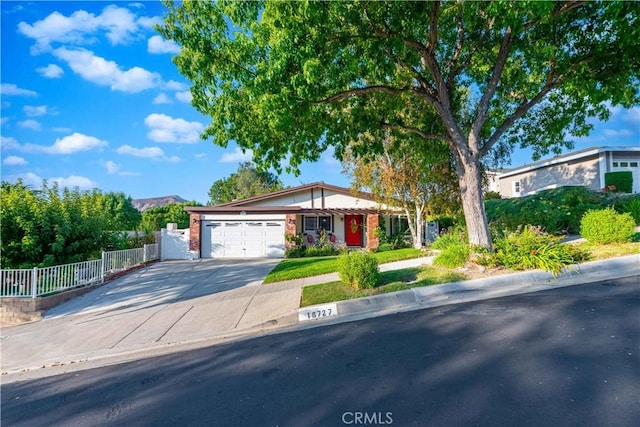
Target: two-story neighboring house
{"x":584,"y":167}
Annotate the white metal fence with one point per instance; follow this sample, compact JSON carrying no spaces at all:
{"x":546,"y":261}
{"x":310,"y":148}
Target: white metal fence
{"x":35,"y":282}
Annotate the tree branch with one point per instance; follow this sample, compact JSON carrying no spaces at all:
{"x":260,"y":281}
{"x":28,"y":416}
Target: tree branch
{"x":433,"y":28}
{"x":419,"y":132}
{"x":362,"y":91}
{"x":483,"y":105}
{"x":519,"y":112}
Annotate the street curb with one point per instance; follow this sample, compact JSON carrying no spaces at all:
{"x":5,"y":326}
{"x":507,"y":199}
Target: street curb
{"x":480,"y":289}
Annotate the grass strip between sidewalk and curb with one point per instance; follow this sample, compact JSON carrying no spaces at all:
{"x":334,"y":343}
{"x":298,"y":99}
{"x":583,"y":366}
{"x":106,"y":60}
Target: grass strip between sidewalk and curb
{"x":297,"y":268}
{"x":390,"y":281}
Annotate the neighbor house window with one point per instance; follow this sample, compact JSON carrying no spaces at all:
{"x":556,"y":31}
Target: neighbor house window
{"x":516,"y":187}
{"x":315,"y":223}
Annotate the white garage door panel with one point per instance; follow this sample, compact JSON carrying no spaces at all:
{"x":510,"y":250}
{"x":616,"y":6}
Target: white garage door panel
{"x":243,"y":239}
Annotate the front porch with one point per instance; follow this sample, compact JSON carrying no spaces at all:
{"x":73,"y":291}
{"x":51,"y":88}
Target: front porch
{"x":352,"y":229}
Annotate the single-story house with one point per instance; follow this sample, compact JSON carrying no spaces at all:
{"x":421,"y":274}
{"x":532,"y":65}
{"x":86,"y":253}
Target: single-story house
{"x":584,"y":167}
{"x":257,"y":226}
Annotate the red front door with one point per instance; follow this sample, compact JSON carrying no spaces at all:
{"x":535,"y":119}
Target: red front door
{"x":353,"y":230}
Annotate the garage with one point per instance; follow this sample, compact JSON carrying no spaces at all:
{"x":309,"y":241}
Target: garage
{"x":242,"y":239}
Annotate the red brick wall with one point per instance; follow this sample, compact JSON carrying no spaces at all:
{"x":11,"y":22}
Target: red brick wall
{"x":194,"y":232}
{"x":373,"y":220}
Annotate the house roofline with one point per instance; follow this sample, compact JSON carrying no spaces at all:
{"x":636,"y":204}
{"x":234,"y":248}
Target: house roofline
{"x":564,"y":158}
{"x":240,"y":210}
{"x":292,"y":190}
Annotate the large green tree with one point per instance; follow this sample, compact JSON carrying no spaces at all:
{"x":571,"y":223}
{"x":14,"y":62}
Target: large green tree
{"x":289,"y":79}
{"x":247,"y":181}
{"x":157,"y":218}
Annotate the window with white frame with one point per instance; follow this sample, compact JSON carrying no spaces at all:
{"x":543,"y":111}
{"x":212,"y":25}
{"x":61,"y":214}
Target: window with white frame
{"x":315,"y":223}
{"x":517,"y":187}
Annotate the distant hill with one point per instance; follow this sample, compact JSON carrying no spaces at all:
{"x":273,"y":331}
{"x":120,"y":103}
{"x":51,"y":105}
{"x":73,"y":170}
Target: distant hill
{"x":154,"y":202}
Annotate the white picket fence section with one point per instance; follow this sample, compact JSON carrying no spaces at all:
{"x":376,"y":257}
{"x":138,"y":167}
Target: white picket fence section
{"x":20,"y":282}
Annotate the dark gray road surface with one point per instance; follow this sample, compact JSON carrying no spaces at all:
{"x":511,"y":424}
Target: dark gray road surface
{"x":567,"y":357}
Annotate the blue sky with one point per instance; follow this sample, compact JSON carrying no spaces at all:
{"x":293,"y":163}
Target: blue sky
{"x":90,"y":98}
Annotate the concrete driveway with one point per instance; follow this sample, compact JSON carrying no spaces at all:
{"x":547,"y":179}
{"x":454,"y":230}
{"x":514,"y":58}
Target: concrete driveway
{"x":163,"y":304}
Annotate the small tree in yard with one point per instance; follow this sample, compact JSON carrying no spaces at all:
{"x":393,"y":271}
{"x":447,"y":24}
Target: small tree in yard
{"x":403,"y":176}
{"x":290,"y":79}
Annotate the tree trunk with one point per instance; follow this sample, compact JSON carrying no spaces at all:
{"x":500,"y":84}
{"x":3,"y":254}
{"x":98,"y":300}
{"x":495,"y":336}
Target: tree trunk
{"x":469,"y":178}
{"x":417,"y":239}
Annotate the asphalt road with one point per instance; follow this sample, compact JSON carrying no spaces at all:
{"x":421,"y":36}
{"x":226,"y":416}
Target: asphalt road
{"x":566,"y":357}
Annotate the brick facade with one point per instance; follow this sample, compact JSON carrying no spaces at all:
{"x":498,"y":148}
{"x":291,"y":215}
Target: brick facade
{"x":373,"y":221}
{"x":290,"y":227}
{"x":194,"y":232}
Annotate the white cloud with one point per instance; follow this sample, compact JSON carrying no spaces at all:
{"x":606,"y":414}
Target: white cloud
{"x":30,"y":124}
{"x":8,"y":143}
{"x":3,"y":120}
{"x":71,"y":144}
{"x":162,"y":99}
{"x":184,"y":96}
{"x":149,"y":21}
{"x":11,"y":89}
{"x":154,"y":153}
{"x":107,"y":73}
{"x":632,"y":115}
{"x":116,"y":169}
{"x":167,"y":129}
{"x":200,"y":156}
{"x":615,"y":133}
{"x":119,"y":24}
{"x":174,"y":85}
{"x":51,"y":71}
{"x":237,"y":156}
{"x":147,"y":152}
{"x":35,"y":111}
{"x":74,"y":181}
{"x":157,"y":44}
{"x":31,"y":179}
{"x":61,"y":129}
{"x":14,"y":161}
{"x":34,"y":180}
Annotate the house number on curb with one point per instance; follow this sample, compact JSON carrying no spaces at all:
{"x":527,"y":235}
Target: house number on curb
{"x":317,"y":312}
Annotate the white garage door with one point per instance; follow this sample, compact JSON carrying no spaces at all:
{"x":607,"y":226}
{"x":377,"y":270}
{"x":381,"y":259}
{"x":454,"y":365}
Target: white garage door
{"x":242,"y":239}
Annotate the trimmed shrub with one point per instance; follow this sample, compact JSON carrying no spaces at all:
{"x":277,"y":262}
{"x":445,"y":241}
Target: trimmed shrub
{"x":453,"y":256}
{"x":607,"y":226}
{"x":631,"y":205}
{"x":454,"y":237}
{"x":531,"y":248}
{"x":358,"y":270}
{"x":314,"y":251}
{"x":622,"y":181}
{"x":294,"y":252}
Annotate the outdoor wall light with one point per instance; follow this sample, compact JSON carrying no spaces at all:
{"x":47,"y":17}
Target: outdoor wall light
{"x":195,"y":220}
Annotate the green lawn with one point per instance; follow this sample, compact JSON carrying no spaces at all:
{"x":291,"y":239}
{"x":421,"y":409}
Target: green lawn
{"x":390,"y":281}
{"x":295,"y":268}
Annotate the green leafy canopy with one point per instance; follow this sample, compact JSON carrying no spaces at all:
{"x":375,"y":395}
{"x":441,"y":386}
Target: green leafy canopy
{"x":289,"y":79}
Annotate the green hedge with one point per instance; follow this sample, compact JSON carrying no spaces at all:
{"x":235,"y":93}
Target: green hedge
{"x":622,"y":180}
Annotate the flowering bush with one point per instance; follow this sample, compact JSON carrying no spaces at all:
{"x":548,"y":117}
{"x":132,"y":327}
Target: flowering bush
{"x":531,"y":248}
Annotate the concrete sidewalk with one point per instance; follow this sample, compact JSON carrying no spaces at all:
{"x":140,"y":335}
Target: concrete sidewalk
{"x":158,"y":310}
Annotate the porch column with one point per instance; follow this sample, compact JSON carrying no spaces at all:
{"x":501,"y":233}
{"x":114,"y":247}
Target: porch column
{"x":194,"y":235}
{"x":290,"y":227}
{"x":373,"y":221}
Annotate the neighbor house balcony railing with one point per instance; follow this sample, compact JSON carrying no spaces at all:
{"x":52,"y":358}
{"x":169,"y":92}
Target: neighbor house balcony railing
{"x":35,"y":282}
